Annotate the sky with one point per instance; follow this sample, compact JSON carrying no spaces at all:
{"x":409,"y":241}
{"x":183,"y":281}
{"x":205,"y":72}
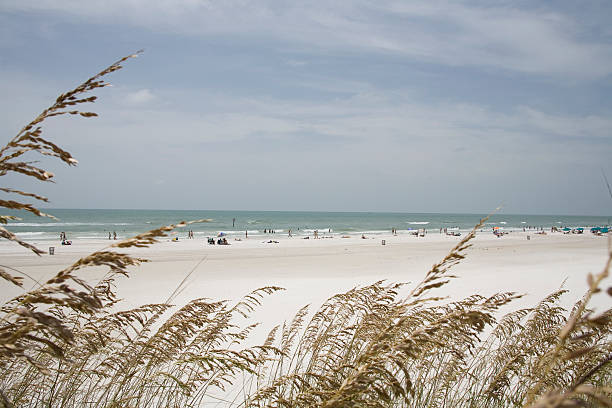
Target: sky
{"x":361,"y":105}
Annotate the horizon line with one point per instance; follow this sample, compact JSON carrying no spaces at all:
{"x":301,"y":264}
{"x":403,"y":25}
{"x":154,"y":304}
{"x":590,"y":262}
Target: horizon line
{"x":484,"y":213}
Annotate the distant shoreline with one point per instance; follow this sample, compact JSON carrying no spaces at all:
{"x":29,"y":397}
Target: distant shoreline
{"x":82,"y":224}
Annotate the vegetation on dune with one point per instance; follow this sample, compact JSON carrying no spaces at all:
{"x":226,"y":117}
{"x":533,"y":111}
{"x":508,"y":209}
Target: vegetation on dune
{"x":64,"y":344}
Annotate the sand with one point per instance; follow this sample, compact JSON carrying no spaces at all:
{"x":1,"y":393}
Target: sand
{"x":312,"y":270}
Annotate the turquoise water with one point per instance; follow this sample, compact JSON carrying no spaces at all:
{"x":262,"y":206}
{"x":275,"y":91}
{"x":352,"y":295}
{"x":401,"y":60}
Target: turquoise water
{"x":96,"y":224}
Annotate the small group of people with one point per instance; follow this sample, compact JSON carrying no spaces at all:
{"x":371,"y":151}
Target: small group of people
{"x":499,"y":233}
{"x":114,"y":235}
{"x":220,"y":241}
{"x":64,"y":240}
{"x":190,"y":234}
{"x":421,"y":232}
{"x":394,"y":231}
{"x":269,"y":231}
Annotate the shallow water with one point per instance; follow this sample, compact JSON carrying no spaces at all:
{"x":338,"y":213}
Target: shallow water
{"x":96,"y":224}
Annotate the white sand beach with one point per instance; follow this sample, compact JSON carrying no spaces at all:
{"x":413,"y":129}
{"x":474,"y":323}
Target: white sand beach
{"x":311,"y":270}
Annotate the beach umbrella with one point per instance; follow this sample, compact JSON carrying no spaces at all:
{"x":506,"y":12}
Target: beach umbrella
{"x":594,"y":229}
{"x":604,"y":230}
{"x":580,"y":229}
{"x":566,"y":229}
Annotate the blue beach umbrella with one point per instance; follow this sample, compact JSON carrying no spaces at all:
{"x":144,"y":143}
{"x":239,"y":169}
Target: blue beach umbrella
{"x":594,"y":229}
{"x":566,"y":229}
{"x":604,"y":230}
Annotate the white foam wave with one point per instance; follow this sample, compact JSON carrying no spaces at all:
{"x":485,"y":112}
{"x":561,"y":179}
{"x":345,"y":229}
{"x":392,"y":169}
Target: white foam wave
{"x":320,"y":230}
{"x":228,"y":232}
{"x":418,"y":222}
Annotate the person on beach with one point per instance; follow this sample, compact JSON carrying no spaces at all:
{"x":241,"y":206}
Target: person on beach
{"x":114,"y":235}
{"x":289,"y":232}
{"x":316,"y":234}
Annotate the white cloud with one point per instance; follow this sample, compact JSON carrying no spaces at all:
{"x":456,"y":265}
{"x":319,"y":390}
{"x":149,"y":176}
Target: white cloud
{"x":453,"y":33}
{"x":371,"y":119}
{"x":140,"y":97}
{"x":373,"y":140}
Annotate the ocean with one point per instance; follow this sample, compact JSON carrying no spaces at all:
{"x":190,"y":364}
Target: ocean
{"x":96,"y":224}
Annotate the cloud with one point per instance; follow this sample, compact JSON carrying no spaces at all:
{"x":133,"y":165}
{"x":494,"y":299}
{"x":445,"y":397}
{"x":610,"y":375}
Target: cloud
{"x":295,"y":63}
{"x":528,"y":40}
{"x":139,"y":97}
{"x":365,"y":117}
{"x":354,"y":147}
{"x":371,"y":119}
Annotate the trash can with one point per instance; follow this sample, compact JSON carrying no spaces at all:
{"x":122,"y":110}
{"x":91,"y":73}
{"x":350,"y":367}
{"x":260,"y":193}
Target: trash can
{"x":384,"y":242}
{"x":51,"y":250}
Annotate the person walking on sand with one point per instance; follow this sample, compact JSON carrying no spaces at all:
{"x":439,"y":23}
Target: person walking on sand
{"x":114,"y":235}
{"x":109,"y":235}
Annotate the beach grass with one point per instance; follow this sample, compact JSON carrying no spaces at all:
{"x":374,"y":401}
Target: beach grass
{"x":64,"y":343}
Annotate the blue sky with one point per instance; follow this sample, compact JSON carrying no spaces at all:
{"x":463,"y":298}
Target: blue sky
{"x":410,"y":106}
